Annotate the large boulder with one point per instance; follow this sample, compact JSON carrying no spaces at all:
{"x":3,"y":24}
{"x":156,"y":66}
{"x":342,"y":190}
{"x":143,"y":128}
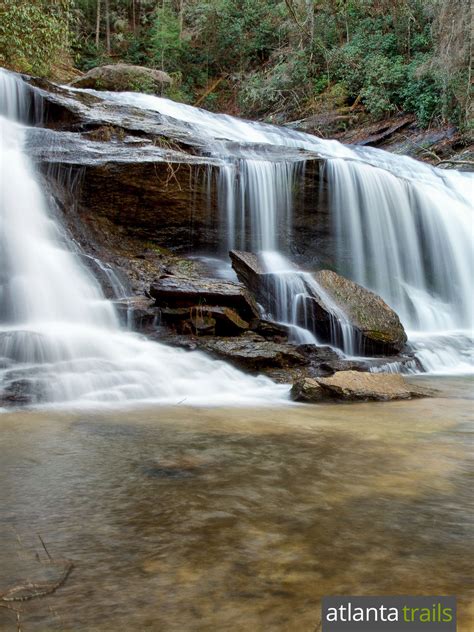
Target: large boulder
{"x":123,"y":78}
{"x":378,"y":326}
{"x":356,"y":386}
{"x":330,"y":302}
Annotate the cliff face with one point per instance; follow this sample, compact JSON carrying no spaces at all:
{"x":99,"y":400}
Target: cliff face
{"x":138,"y":177}
{"x":141,"y":194}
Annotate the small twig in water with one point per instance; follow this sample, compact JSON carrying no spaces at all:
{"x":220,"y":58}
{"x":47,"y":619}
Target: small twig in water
{"x":44,"y":547}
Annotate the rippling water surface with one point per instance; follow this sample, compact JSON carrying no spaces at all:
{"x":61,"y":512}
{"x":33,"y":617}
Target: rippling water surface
{"x":181,"y":519}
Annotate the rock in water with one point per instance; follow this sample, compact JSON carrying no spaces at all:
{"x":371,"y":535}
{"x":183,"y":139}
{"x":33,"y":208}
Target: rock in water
{"x":307,"y":389}
{"x":179,"y":292}
{"x":377,"y":324}
{"x":124,"y":78}
{"x":249,"y":270}
{"x":356,"y":386}
{"x":253,"y":353}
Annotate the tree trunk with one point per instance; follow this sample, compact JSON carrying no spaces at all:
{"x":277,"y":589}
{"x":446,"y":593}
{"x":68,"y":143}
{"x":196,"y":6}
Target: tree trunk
{"x":107,"y":26}
{"x":181,"y":17}
{"x":97,"y":26}
{"x":310,"y":22}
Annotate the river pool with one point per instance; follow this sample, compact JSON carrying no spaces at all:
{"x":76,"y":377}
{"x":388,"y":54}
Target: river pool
{"x":191,"y":519}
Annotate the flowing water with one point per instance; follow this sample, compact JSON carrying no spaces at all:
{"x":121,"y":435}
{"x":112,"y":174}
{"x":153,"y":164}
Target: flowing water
{"x":60,"y":339}
{"x":407,"y":227}
{"x":403,"y":228}
{"x":190,"y":520}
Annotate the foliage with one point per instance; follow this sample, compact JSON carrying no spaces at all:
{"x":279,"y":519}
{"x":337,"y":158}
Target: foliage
{"x":283,"y":57}
{"x":33,"y":34}
{"x":167,"y":46}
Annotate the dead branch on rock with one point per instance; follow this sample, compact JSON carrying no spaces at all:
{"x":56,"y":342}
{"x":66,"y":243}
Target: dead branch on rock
{"x":35,"y":590}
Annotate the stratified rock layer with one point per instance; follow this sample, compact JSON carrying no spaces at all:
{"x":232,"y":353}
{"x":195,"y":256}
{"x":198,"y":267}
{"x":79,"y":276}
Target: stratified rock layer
{"x":179,"y":292}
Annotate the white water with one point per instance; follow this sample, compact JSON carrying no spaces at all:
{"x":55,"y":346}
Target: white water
{"x":60,"y":340}
{"x":291,"y":288}
{"x":404,"y":229}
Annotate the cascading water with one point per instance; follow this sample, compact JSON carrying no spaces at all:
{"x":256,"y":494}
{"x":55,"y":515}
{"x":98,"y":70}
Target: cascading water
{"x":403,"y":229}
{"x":410,"y":239}
{"x":60,"y":340}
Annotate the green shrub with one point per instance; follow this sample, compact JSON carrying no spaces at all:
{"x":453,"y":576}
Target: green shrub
{"x":33,"y":34}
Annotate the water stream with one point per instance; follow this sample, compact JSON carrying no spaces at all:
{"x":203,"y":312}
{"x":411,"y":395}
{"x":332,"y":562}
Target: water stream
{"x":60,"y":339}
{"x":407,"y":226}
{"x":403,"y":228}
{"x":191,"y":518}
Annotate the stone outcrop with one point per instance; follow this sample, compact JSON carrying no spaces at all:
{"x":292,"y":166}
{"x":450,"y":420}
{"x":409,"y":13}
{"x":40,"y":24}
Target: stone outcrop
{"x":307,"y":389}
{"x":157,"y":180}
{"x":356,"y":386}
{"x":253,"y":353}
{"x":249,"y":270}
{"x":376,"y":327}
{"x":122,"y":78}
{"x":249,"y":351}
{"x":376,"y":323}
{"x":203,"y":294}
{"x":137,"y":312}
{"x":210,"y":319}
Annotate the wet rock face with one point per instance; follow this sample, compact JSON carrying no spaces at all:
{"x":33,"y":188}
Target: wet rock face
{"x":180,"y":292}
{"x":122,"y":78}
{"x":377,"y":324}
{"x":249,"y":352}
{"x":161,"y":201}
{"x":155,"y":179}
{"x":356,"y":386}
{"x":253,"y":353}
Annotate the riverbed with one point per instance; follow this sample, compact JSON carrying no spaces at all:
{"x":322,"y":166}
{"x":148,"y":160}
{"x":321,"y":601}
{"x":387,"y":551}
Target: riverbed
{"x":185,"y":519}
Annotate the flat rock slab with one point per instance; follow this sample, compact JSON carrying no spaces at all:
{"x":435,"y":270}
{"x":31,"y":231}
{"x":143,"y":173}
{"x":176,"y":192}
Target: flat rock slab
{"x":253,"y":353}
{"x":356,"y":386}
{"x":175,"y":292}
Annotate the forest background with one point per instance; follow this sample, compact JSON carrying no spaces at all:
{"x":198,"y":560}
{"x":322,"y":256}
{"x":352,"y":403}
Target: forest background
{"x":266,"y":59}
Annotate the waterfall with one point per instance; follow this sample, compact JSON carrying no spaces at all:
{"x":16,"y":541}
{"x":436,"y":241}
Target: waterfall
{"x":409,"y":238}
{"x":403,"y":229}
{"x":60,"y":339}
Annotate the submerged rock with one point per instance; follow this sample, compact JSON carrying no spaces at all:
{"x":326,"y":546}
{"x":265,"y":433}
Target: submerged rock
{"x":123,"y":78}
{"x":354,"y":386}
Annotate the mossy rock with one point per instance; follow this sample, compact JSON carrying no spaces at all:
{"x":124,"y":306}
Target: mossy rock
{"x":368,"y":313}
{"x":124,"y":78}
